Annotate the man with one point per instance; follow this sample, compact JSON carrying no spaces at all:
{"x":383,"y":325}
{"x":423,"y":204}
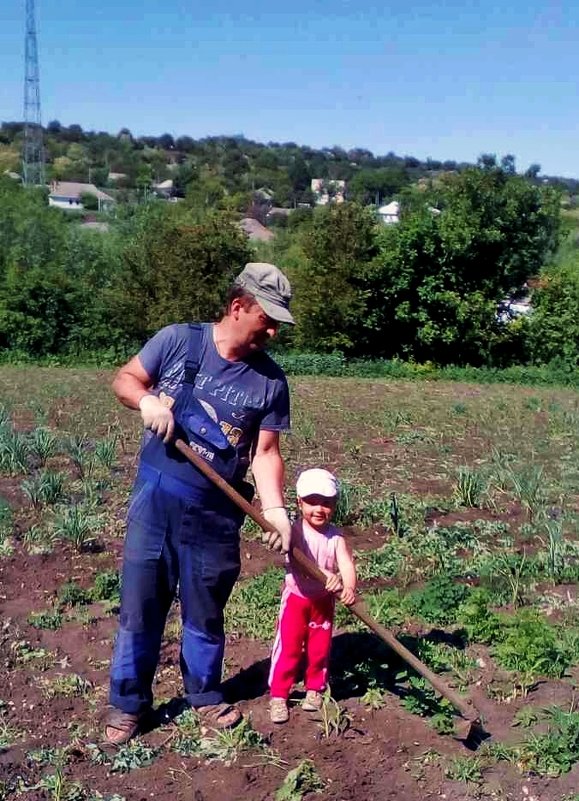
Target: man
{"x":213,"y":386}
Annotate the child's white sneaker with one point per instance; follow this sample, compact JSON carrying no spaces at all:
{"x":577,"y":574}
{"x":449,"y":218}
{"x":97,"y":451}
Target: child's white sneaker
{"x":313,"y":701}
{"x":278,"y":711}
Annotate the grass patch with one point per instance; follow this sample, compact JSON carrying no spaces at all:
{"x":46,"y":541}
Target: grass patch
{"x":254,"y":604}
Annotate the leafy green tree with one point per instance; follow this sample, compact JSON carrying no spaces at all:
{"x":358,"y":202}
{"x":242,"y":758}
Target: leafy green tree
{"x":37,"y":306}
{"x":554,"y":323}
{"x":179,"y":270}
{"x":375,"y":186}
{"x":442,"y":275}
{"x":328,"y":277}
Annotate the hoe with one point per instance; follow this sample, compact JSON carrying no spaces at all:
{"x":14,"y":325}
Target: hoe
{"x":470,"y":729}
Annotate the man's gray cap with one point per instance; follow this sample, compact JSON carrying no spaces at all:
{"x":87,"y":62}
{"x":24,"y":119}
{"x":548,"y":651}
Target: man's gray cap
{"x":269,"y":287}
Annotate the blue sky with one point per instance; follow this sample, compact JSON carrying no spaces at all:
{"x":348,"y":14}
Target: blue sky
{"x":448,"y":80}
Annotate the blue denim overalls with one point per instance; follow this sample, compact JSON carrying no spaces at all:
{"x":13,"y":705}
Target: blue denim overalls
{"x":180,"y":530}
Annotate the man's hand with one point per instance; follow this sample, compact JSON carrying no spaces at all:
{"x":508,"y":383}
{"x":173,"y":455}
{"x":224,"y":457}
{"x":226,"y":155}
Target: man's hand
{"x":278,"y":540}
{"x":157,"y":417}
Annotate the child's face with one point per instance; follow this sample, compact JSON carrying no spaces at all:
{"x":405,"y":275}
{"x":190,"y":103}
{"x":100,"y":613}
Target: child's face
{"x":317,"y":510}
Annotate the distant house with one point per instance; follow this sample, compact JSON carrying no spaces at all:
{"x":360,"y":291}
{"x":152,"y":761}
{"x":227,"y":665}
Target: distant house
{"x":164,"y":189}
{"x":67,"y":195}
{"x":328,"y":191}
{"x":516,"y":305}
{"x":255,"y":230}
{"x":115,"y":177}
{"x":390,"y":213}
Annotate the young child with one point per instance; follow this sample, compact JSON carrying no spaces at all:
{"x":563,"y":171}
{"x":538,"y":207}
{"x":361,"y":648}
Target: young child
{"x":307,"y":608}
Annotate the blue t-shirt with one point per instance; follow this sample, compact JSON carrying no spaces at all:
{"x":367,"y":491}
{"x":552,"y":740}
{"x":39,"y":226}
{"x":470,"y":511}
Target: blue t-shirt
{"x":243,"y":396}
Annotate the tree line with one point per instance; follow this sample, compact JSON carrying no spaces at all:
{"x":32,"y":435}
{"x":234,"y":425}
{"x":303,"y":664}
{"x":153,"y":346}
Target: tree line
{"x":426,"y":289}
{"x":223,"y":170}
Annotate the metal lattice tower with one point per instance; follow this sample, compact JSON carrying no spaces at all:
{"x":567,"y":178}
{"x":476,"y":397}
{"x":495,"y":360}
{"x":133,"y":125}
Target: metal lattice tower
{"x":33,"y":155}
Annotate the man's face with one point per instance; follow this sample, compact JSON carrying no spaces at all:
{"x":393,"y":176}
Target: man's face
{"x":254,"y":326}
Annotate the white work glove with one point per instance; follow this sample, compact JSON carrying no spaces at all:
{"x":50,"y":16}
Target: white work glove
{"x":278,"y":540}
{"x":157,"y":417}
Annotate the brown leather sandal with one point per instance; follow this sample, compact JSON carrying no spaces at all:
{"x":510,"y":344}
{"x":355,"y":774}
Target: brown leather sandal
{"x":219,"y":716}
{"x":120,"y":727}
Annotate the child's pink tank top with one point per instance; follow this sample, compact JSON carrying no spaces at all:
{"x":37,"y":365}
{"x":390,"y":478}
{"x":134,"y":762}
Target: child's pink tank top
{"x":320,"y":546}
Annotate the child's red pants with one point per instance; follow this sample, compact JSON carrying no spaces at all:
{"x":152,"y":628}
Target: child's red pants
{"x":304,"y":627}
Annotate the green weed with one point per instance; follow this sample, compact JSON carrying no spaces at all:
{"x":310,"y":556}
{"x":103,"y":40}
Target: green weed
{"x":75,"y":524}
{"x":49,"y":619}
{"x":438,"y":601}
{"x":107,"y":587}
{"x":373,"y":698}
{"x":420,"y":699}
{"x":39,"y":539}
{"x":105,"y":452}
{"x":528,"y":487}
{"x":227,"y":744}
{"x":77,"y":449}
{"x":382,"y":563}
{"x":8,"y":735}
{"x":253,"y":606}
{"x":299,"y":781}
{"x":13,"y":452}
{"x":44,"y":488}
{"x":554,"y":752}
{"x":335,"y":720}
{"x":465,"y":769}
{"x":480,"y":623}
{"x":71,"y":594}
{"x":59,"y":788}
{"x":132,"y":756}
{"x":43,"y":444}
{"x":69,"y":685}
{"x":529,"y":645}
{"x":470,"y":487}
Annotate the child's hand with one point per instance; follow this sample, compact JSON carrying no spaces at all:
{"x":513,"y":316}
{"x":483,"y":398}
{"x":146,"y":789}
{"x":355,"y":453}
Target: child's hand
{"x":334,"y":582}
{"x":348,"y":596}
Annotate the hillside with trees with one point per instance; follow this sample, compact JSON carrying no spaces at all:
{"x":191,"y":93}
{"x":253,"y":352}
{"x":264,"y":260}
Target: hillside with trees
{"x":434,"y":287}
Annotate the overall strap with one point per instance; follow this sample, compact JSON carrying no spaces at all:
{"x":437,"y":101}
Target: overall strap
{"x":192,"y":364}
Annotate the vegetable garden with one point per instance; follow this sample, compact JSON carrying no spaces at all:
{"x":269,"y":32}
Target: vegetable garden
{"x":461,"y":502}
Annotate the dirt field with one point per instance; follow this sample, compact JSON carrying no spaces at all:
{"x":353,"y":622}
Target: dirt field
{"x":448,"y":491}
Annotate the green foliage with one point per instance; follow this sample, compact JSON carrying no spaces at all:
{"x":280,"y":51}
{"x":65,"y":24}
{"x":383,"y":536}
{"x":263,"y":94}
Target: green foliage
{"x":334,"y":718}
{"x":349,"y":503}
{"x":337,"y":247}
{"x":49,"y":619}
{"x":253,"y":606}
{"x":300,"y":780}
{"x":554,"y":324}
{"x":132,"y":756}
{"x":438,"y":602}
{"x":443,"y":275}
{"x":420,"y":699}
{"x":76,"y":524}
{"x":555,"y":751}
{"x":200,"y":258}
{"x":465,"y":769}
{"x":382,"y":563}
{"x":6,"y":519}
{"x":530,"y":645}
{"x":106,"y":586}
{"x":43,"y":444}
{"x":470,"y":486}
{"x":45,"y":487}
{"x":70,"y":594}
{"x":481,"y":624}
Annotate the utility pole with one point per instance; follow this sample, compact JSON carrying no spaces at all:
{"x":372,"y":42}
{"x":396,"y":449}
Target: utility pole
{"x":33,"y":154}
